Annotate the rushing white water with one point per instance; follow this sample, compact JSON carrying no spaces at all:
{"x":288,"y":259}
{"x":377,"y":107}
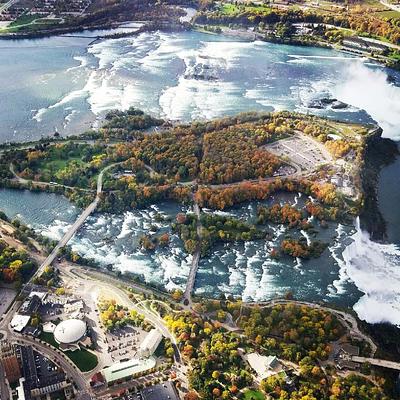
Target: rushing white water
{"x":375,"y":270}
{"x":187,"y":76}
{"x":369,"y":89}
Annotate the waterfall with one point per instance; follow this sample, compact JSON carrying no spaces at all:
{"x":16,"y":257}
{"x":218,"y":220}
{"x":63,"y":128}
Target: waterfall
{"x":375,"y":270}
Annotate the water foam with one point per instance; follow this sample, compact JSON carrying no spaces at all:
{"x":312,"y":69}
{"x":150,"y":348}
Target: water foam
{"x":378,"y":98}
{"x":375,"y":270}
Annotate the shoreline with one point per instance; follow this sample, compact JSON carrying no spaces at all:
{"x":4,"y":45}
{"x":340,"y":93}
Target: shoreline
{"x":151,"y":26}
{"x":244,"y":36}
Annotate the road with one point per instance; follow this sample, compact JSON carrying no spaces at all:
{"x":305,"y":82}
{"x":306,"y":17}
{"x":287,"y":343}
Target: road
{"x":393,"y":7}
{"x":69,"y":368}
{"x":377,"y":362}
{"x":42,"y":183}
{"x":4,"y":326}
{"x":196,"y":258}
{"x":6,"y":6}
{"x":44,"y":349}
{"x":121,"y":296}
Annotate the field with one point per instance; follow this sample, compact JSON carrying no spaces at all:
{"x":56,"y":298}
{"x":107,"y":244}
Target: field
{"x":28,"y":22}
{"x":83,"y":359}
{"x":253,"y":395}
{"x":232,"y":9}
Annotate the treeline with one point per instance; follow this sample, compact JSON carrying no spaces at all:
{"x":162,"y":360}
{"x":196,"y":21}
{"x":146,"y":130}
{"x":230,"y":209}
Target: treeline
{"x":234,"y":154}
{"x":225,"y":197}
{"x":217,"y":369}
{"x":300,"y":248}
{"x":137,"y":196}
{"x":214,"y":229}
{"x":172,"y":153}
{"x":291,"y":331}
{"x":15,"y":266}
{"x":114,"y":316}
{"x":278,"y":214}
{"x":125,"y":124}
{"x":70,"y":163}
{"x":357,"y":20}
{"x":314,"y":384}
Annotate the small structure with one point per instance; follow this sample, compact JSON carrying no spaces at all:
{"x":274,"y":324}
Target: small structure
{"x":163,"y":391}
{"x":19,"y":322}
{"x":31,"y":305}
{"x":74,"y":307}
{"x":124,"y":370}
{"x":97,"y":380}
{"x":42,"y":295}
{"x":49,"y":327}
{"x":264,"y":366}
{"x":150,"y":343}
{"x":343,"y":357}
{"x":70,"y":333}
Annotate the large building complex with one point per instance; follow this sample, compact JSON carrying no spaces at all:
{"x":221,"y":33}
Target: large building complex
{"x":70,"y":333}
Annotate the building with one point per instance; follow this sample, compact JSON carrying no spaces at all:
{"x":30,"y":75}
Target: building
{"x":6,"y":349}
{"x":19,"y":322}
{"x":264,"y":366}
{"x":150,"y":343}
{"x":31,"y":305}
{"x":163,"y":391}
{"x":69,"y":334}
{"x":40,"y":376}
{"x":125,"y":370}
{"x":343,"y":357}
{"x":11,"y":368}
{"x":97,"y":380}
{"x":366,"y":44}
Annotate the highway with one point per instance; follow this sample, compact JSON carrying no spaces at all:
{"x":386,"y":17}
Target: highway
{"x":7,"y":5}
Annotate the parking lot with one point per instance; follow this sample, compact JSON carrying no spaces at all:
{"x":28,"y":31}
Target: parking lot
{"x":6,"y":297}
{"x":125,"y":342}
{"x":302,"y":151}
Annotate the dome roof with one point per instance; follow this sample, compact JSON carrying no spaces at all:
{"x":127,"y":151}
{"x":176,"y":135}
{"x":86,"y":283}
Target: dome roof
{"x":70,"y":331}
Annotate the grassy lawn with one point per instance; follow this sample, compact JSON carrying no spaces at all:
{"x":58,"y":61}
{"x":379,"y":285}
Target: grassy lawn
{"x":388,"y":14}
{"x":58,"y":164}
{"x":253,"y":395}
{"x":232,"y":9}
{"x":83,"y":359}
{"x":23,"y":19}
{"x":229,"y":9}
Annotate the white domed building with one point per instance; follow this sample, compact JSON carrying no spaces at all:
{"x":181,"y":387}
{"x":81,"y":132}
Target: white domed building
{"x":69,"y":334}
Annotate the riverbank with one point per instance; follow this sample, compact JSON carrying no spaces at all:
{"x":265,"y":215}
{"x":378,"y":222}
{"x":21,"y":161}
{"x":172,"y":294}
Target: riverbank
{"x":304,"y":41}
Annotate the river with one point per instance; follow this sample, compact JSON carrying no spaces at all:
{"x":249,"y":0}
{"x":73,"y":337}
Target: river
{"x":62,"y":84}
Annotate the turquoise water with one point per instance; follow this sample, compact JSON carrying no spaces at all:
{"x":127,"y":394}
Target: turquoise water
{"x":62,"y":84}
